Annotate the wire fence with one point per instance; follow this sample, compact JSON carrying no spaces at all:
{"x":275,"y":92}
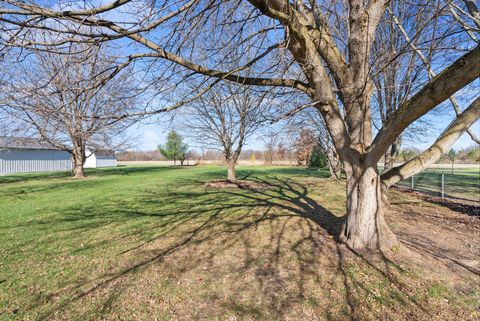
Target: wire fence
{"x":459,"y":184}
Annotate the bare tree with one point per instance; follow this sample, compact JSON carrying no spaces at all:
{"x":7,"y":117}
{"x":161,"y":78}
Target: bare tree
{"x":64,"y":99}
{"x":410,"y":74}
{"x":394,"y":76}
{"x":320,"y":48}
{"x":225,"y":118}
{"x":271,"y":139}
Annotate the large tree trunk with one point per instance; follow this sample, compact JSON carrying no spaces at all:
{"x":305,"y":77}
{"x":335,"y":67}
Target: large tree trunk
{"x":78,"y":158}
{"x":365,"y":226}
{"x":231,"y":175}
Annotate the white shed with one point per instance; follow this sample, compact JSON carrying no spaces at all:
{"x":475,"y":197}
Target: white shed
{"x":24,"y":155}
{"x":101,"y":158}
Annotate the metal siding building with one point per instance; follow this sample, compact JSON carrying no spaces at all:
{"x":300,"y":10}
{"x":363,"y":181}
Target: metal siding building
{"x":106,"y":162}
{"x":25,"y":155}
{"x":101,"y":159}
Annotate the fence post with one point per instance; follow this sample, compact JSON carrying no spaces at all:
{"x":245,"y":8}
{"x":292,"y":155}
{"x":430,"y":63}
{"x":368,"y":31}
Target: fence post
{"x":412,"y":181}
{"x":443,"y":184}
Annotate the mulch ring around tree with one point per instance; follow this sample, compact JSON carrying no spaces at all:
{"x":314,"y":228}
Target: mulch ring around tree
{"x":241,"y":184}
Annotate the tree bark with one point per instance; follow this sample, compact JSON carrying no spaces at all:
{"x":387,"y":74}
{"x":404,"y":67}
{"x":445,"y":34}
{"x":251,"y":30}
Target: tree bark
{"x":391,"y":155}
{"x":365,"y":226}
{"x":78,"y":160}
{"x":231,"y":176}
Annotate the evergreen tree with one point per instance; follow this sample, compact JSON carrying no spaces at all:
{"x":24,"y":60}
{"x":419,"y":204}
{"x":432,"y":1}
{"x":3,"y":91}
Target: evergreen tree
{"x":174,"y":149}
{"x":317,"y":158}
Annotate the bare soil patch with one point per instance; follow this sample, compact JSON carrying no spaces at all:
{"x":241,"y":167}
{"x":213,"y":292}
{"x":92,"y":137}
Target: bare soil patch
{"x":444,"y":239}
{"x":468,"y":207}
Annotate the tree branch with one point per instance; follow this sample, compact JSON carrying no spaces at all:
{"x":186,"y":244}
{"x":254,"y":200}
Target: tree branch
{"x":161,"y":53}
{"x":69,"y":13}
{"x":474,"y":11}
{"x":459,"y":74}
{"x":440,"y":147}
{"x":311,"y":27}
{"x":426,"y":64}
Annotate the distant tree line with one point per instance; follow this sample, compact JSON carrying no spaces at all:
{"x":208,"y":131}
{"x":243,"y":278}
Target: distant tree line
{"x":280,"y":154}
{"x":133,"y":155}
{"x":286,"y":154}
{"x":470,"y":154}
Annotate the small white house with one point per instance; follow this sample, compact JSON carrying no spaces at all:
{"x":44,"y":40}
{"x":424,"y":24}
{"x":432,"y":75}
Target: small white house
{"x":25,"y":155}
{"x":104,"y":158}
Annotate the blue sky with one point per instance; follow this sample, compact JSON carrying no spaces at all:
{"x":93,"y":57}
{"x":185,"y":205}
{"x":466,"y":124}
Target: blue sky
{"x":150,"y":135}
{"x":153,"y":131}
{"x":153,"y":135}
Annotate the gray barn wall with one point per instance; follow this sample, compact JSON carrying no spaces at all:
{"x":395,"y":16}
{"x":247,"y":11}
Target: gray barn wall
{"x":106,"y":162}
{"x":25,"y":161}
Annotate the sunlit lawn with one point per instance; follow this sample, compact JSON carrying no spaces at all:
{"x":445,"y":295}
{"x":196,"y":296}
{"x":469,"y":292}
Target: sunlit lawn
{"x":152,"y":243}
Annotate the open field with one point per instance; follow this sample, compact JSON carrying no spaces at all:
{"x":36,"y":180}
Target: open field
{"x":153,"y":243}
{"x":206,"y":162}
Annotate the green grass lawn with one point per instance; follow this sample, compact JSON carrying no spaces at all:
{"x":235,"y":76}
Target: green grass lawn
{"x":463,"y":183}
{"x":152,"y":243}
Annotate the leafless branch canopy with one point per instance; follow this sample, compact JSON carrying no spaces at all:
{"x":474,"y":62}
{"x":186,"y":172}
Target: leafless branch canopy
{"x":68,"y":101}
{"x":338,"y":54}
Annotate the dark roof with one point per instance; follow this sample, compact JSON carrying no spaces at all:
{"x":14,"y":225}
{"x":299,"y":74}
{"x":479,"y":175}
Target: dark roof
{"x":24,"y":143}
{"x":104,"y":153}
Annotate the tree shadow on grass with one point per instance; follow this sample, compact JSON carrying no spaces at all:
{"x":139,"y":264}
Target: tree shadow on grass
{"x":26,"y":177}
{"x":299,"y":171}
{"x":272,"y":271}
{"x":89,"y":172}
{"x":59,"y":180}
{"x":129,"y":170}
{"x":23,"y":192}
